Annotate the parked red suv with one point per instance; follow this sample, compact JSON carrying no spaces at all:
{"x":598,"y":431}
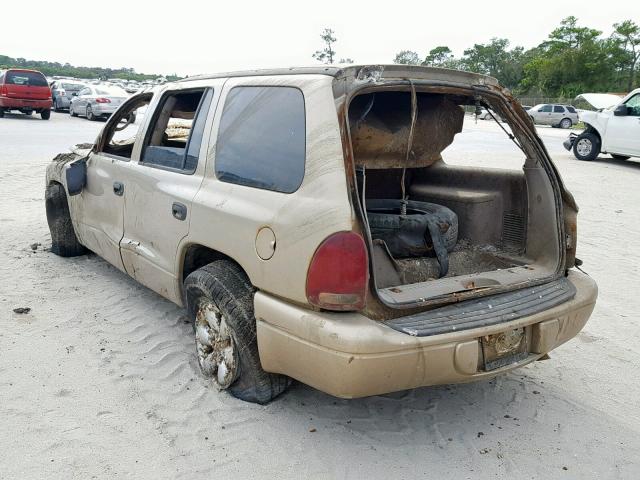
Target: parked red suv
{"x":26,"y":91}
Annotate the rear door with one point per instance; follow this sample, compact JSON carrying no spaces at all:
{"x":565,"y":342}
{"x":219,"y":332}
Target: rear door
{"x":162,"y":184}
{"x":623,"y":132}
{"x":557,"y":115}
{"x":27,"y":85}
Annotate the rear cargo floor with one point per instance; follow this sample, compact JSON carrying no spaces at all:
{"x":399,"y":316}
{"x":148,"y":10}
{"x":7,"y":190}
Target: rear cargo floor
{"x":463,"y":260}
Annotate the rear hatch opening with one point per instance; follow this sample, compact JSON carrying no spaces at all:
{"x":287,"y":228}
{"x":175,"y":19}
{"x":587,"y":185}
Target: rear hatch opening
{"x":441,"y":231}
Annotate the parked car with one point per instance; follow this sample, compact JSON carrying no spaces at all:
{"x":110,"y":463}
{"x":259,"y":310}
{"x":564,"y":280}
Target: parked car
{"x":563,"y":116}
{"x":62,"y":92}
{"x":25,"y":91}
{"x":614,"y":130}
{"x":486,"y":114}
{"x":95,"y":101}
{"x":274,"y":206}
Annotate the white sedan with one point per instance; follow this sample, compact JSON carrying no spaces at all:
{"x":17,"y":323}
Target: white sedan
{"x":95,"y":101}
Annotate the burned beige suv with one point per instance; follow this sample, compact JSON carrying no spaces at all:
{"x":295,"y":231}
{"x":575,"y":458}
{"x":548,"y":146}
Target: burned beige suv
{"x":307,"y":221}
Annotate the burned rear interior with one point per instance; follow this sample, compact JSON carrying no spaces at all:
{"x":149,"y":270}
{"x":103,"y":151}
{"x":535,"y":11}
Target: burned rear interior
{"x":437,"y":229}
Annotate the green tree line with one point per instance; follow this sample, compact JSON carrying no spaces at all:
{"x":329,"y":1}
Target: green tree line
{"x":572,"y":60}
{"x":67,"y":70}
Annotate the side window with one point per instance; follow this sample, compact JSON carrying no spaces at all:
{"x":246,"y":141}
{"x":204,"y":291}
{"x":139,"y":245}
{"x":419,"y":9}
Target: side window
{"x":84,"y":91}
{"x":558,"y":109}
{"x":633,"y":106}
{"x":175,"y":133}
{"x":571,"y":109}
{"x":545,"y":108}
{"x":123,"y":129}
{"x":262,"y":138}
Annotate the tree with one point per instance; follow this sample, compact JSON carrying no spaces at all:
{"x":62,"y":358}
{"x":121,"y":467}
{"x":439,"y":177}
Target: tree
{"x":627,"y":38}
{"x":407,"y":57}
{"x":571,"y":61}
{"x":439,"y":57}
{"x":327,"y":53}
{"x":495,"y":59}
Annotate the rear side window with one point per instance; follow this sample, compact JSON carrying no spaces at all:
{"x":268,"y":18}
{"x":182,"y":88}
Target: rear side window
{"x":262,"y":138}
{"x":175,"y":134}
{"x":558,"y":109}
{"x":571,"y":109}
{"x":28,"y":79}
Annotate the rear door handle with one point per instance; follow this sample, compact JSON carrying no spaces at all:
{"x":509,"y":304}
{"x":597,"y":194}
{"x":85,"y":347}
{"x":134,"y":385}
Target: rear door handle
{"x":118,"y":188}
{"x":179,"y":210}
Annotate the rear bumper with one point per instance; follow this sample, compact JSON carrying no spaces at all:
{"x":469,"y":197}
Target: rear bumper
{"x":103,"y":109}
{"x":20,"y":104}
{"x":349,"y":355}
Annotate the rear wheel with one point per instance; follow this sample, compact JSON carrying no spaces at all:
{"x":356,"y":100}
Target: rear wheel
{"x":89,"y":113}
{"x":63,"y":237}
{"x":1,"y":113}
{"x":619,"y":157}
{"x":72,"y":112}
{"x":45,"y":114}
{"x":586,"y":146}
{"x":219,"y":298}
{"x":566,"y":123}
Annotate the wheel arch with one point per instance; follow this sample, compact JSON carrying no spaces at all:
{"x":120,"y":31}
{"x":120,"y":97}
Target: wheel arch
{"x":193,"y":256}
{"x":589,"y":128}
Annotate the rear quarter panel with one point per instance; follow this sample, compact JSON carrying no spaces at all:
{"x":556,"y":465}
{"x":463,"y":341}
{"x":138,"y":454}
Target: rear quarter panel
{"x":227,"y":217}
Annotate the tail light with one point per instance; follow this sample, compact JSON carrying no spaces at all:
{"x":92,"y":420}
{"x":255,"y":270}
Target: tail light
{"x":338,"y":275}
{"x":103,"y":100}
{"x":3,"y":90}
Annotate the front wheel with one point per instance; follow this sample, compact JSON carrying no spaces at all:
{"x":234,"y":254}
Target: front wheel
{"x":63,"y":237}
{"x":219,"y":298}
{"x":45,"y":114}
{"x":586,"y":146}
{"x":566,"y":123}
{"x":72,"y":111}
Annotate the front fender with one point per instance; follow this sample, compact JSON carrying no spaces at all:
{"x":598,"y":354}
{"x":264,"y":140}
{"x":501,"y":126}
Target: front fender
{"x":57,"y":166}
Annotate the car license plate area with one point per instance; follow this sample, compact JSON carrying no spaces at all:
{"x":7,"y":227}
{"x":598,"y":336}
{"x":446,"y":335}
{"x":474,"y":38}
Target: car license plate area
{"x":504,"y":348}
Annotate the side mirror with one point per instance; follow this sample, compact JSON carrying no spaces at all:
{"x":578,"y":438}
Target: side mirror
{"x":621,"y":110}
{"x":76,"y":176}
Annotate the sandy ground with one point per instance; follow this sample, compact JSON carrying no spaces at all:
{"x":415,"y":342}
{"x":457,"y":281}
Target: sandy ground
{"x":100,"y":379}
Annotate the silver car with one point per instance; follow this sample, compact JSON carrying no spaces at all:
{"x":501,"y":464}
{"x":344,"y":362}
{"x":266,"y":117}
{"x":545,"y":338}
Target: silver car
{"x":95,"y":101}
{"x":62,"y":92}
{"x":563,"y":116}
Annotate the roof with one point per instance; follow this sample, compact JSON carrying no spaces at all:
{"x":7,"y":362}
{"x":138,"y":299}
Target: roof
{"x":396,"y":71}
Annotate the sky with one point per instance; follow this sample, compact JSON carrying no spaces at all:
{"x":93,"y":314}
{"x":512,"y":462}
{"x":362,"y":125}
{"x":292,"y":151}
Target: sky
{"x":188,"y":37}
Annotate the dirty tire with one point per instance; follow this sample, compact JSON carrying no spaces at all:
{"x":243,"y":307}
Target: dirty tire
{"x":586,"y":146}
{"x":566,"y":123}
{"x":227,"y":286}
{"x":89,"y":114}
{"x":45,"y":114}
{"x":63,"y":238}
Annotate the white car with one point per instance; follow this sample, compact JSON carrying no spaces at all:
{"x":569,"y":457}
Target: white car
{"x":96,"y":101}
{"x":614,"y":130}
